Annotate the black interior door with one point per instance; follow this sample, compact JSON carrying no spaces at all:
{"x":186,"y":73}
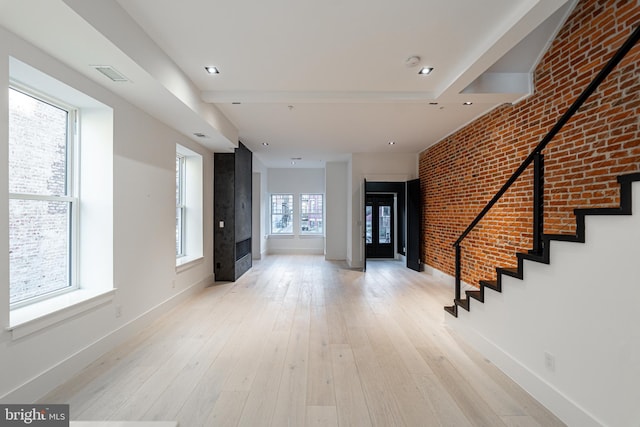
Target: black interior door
{"x":414,"y":221}
{"x":379,"y":225}
{"x":363,"y":244}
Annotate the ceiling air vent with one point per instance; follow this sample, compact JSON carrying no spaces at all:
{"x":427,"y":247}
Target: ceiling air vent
{"x":111,"y":72}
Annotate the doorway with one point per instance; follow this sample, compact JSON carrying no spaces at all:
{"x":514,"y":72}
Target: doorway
{"x":379,"y":225}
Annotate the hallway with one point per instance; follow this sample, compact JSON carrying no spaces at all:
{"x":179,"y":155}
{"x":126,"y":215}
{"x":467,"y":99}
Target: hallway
{"x":303,"y":341}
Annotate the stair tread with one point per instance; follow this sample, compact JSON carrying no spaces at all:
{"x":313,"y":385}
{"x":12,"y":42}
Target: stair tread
{"x":451,"y":310}
{"x":528,"y":255}
{"x":510,"y":271}
{"x":491,"y":284}
{"x":601,"y":211}
{"x":463,"y":302}
{"x":630,"y":177}
{"x":532,"y":257}
{"x":562,"y":237}
{"x":478,"y":295}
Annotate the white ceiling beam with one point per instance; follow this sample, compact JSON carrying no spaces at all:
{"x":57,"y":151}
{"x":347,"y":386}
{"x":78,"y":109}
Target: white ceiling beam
{"x":114,"y":23}
{"x":229,"y":97}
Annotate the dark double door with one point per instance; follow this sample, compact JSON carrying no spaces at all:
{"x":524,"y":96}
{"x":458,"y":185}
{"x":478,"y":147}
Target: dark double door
{"x":379,"y":225}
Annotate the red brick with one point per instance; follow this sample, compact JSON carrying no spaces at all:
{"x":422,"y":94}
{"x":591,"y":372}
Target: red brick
{"x":462,"y":172}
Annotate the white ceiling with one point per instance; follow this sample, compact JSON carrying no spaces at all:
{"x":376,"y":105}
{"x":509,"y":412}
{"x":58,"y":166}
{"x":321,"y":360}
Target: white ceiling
{"x":316,"y":80}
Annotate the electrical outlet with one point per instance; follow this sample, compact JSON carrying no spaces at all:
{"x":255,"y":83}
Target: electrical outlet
{"x":118,"y":311}
{"x":550,"y":361}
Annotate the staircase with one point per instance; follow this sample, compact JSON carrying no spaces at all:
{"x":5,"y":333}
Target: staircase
{"x":565,"y":323}
{"x":624,"y":181}
{"x":540,"y":251}
{"x":568,"y":332}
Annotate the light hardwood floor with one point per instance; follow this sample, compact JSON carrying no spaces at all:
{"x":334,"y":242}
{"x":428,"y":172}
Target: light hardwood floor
{"x":300,"y":341}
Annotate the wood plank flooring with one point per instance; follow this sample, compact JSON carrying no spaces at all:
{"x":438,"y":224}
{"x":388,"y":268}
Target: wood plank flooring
{"x":300,"y":341}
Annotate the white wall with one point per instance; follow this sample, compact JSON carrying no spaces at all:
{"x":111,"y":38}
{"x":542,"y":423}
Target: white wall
{"x":295,"y":181}
{"x":260,"y":206}
{"x":383,"y":167}
{"x":336,"y":219}
{"x":568,"y":333}
{"x":143,"y":240}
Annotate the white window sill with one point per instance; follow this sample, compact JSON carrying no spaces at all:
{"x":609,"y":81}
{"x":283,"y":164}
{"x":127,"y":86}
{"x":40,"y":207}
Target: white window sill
{"x":298,"y":236}
{"x":35,"y":317}
{"x":187,"y":262}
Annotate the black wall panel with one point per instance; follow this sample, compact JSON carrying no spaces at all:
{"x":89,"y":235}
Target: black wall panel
{"x":232,"y":213}
{"x":414,"y":225}
{"x":243,"y":165}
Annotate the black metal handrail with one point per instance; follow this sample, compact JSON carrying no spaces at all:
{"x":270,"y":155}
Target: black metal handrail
{"x":606,"y":70}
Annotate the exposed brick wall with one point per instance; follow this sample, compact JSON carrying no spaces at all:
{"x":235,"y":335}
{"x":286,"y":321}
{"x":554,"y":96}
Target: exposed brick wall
{"x":461,"y":173}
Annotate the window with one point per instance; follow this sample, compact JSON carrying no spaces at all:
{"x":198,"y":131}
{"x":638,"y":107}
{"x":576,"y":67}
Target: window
{"x":180,"y":204}
{"x":282,"y":213}
{"x":189,"y":214}
{"x":43,"y":204}
{"x":311,"y":214}
{"x":60,"y":200}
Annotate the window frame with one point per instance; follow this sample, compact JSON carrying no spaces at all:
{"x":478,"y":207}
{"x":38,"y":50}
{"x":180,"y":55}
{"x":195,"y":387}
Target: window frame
{"x":272,"y":213}
{"x":302,"y":213}
{"x":181,"y":206}
{"x":71,"y":191}
{"x":193,"y":179}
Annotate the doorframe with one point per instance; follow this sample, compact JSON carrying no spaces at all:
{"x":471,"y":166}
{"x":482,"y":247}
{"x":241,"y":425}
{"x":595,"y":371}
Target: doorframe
{"x":399,"y":190}
{"x":393,"y":198}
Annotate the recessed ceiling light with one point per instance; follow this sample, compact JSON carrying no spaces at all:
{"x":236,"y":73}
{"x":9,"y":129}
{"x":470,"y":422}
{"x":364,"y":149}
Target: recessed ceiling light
{"x":392,"y":143}
{"x":425,"y":70}
{"x":265,"y":144}
{"x":212,"y":70}
{"x":293,"y":163}
{"x":467,"y":103}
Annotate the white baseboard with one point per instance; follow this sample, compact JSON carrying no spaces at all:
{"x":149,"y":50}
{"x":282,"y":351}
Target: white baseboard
{"x":356,"y":266}
{"x":37,"y":387}
{"x":296,"y":251}
{"x":443,"y":277}
{"x":552,"y":399}
{"x":541,"y":390}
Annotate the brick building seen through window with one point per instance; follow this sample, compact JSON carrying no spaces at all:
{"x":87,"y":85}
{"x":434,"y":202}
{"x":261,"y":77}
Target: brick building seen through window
{"x":41,"y":206}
